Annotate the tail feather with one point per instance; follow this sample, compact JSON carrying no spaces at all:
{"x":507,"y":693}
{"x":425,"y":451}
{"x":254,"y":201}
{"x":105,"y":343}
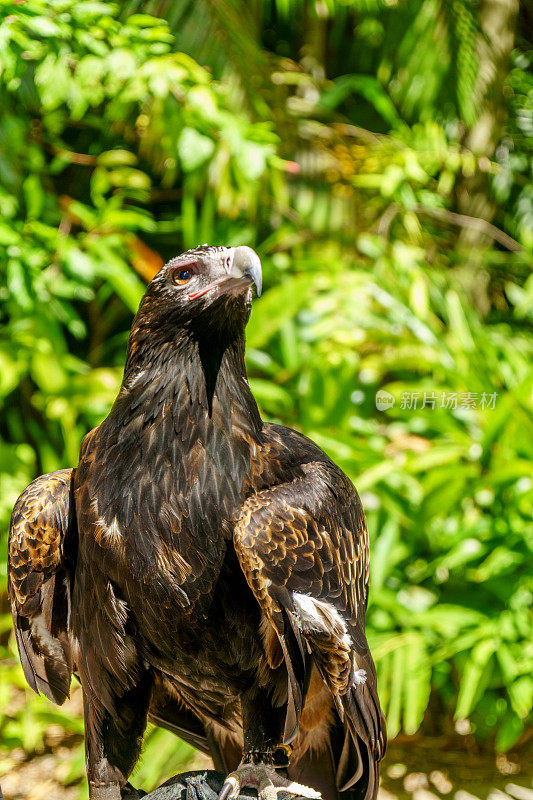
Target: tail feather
{"x":364,"y":718}
{"x":357,"y":737}
{"x":343,"y":769}
{"x":298,"y":665}
{"x":350,"y":764}
{"x":319,"y":771}
{"x":365,"y":737}
{"x":46,"y":661}
{"x":343,"y":761}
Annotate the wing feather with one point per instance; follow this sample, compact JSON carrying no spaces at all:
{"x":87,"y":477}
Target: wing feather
{"x":303,"y":547}
{"x":301,"y":540}
{"x":39,"y":582}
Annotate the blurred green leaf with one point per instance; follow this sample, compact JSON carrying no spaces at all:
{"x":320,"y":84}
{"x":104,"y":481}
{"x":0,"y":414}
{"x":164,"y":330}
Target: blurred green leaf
{"x":476,"y":670}
{"x":194,"y":149}
{"x":396,"y":257}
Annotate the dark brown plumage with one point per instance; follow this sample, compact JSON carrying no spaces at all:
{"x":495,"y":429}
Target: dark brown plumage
{"x":199,"y":566}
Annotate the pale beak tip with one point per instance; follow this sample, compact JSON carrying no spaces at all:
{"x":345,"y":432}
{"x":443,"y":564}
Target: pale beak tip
{"x":249,"y":263}
{"x":258,"y":281}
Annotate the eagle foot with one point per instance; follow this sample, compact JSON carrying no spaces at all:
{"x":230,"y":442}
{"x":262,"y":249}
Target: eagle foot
{"x":266,"y":780}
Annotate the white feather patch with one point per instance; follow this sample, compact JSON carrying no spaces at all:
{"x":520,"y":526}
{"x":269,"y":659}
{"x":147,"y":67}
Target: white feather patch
{"x":359,"y":677}
{"x":318,"y":616}
{"x":133,"y":380}
{"x":111,"y":532}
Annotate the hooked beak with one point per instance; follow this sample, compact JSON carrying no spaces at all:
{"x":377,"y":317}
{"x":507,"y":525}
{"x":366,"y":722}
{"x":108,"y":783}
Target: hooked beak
{"x":245,"y":269}
{"x":247,"y":266}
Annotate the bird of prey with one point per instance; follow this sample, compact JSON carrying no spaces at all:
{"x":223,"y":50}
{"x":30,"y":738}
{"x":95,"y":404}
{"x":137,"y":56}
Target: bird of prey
{"x":200,"y":567}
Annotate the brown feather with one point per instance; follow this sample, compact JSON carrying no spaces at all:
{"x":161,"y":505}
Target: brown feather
{"x":207,"y":569}
{"x":39,"y":583}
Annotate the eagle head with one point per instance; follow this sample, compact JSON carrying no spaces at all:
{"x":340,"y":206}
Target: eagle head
{"x":206,"y":287}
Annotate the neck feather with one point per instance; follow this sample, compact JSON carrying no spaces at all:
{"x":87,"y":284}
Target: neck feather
{"x":200,"y":379}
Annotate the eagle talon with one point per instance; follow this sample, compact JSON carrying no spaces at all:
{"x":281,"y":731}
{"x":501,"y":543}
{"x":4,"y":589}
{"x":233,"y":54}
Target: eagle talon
{"x":266,"y":780}
{"x":230,"y":789}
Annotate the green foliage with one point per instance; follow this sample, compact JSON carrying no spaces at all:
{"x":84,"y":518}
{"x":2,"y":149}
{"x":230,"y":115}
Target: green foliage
{"x":118,"y":150}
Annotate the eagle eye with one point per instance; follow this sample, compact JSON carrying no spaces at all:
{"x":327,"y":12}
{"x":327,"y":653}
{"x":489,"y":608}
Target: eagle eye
{"x":181,"y":276}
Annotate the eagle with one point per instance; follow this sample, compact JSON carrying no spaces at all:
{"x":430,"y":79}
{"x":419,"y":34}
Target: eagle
{"x":201,"y":568}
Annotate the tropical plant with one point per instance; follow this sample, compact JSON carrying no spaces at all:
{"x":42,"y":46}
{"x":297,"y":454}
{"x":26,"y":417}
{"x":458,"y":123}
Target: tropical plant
{"x":395,"y":328}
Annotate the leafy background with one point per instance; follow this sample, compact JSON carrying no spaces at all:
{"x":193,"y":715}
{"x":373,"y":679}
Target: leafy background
{"x":377,"y":154}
